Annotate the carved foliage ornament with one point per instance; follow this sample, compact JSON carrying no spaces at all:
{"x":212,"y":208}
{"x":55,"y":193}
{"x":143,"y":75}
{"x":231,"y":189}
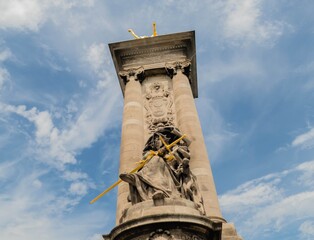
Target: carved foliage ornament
{"x":137,"y":73}
{"x":173,"y":67}
{"x":158,"y":105}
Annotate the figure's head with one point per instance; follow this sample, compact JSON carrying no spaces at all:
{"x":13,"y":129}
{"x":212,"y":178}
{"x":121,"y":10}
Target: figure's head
{"x":154,"y":143}
{"x":157,"y":141}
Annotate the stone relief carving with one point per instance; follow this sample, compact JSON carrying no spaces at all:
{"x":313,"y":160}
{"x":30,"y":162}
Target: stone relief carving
{"x":166,"y":172}
{"x":158,"y":106}
{"x":160,"y":234}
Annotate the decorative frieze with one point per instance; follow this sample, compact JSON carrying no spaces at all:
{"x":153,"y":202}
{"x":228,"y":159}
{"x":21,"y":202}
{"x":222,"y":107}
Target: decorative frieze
{"x":152,"y":50}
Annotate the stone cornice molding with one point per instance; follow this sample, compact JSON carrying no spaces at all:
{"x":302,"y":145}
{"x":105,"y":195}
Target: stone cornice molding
{"x":183,"y":66}
{"x":137,"y":74}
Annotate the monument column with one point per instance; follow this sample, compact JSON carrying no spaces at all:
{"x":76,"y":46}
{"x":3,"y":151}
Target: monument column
{"x":188,"y":123}
{"x":173,"y":196}
{"x":132,"y":136}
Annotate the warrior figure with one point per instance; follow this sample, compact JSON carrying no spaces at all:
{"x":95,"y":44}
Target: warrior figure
{"x":166,"y":174}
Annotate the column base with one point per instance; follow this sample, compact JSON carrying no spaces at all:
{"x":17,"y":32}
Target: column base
{"x":167,"y":227}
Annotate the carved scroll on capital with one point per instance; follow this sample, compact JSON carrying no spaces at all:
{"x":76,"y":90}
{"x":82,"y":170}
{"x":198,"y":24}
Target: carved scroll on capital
{"x":137,"y":74}
{"x":183,"y":66}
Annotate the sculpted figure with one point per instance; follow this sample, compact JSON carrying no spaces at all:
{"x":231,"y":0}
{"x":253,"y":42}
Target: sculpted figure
{"x":166,"y":174}
{"x":156,"y":177}
{"x":188,"y":183}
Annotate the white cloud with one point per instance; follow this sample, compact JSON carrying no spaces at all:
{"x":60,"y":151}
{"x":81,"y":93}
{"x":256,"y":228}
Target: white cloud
{"x":6,"y":169}
{"x":305,"y":140}
{"x":244,"y":23}
{"x":98,"y":57}
{"x":31,"y":14}
{"x":284,"y":212}
{"x":73,"y":176}
{"x":271,"y":203}
{"x":49,"y":145}
{"x":58,"y":146}
{"x":37,"y":183}
{"x":242,"y":17}
{"x":79,"y":188}
{"x":95,"y":237}
{"x":234,"y":67}
{"x":92,"y":121}
{"x":307,"y":230}
{"x":21,"y":14}
{"x":30,"y":212}
{"x":250,"y":195}
{"x":5,"y":55}
{"x":4,"y":76}
{"x":307,"y":173}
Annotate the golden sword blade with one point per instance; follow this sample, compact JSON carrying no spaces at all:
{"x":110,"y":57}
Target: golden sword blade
{"x":141,"y":164}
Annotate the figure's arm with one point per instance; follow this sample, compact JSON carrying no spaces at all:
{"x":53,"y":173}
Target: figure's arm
{"x":154,"y":30}
{"x":185,"y":153}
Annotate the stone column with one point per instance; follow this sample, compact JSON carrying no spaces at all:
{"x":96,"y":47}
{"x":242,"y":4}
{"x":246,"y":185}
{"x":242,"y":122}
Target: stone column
{"x":188,"y":123}
{"x":132,"y":136}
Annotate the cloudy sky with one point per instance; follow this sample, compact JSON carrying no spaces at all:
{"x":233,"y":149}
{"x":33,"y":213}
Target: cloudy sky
{"x":61,"y":110}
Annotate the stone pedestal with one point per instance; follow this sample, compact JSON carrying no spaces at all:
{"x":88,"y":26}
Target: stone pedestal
{"x":176,"y":219}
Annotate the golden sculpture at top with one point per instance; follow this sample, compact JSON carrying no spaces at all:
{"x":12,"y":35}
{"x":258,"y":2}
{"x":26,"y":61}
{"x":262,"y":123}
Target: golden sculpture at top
{"x":138,"y":37}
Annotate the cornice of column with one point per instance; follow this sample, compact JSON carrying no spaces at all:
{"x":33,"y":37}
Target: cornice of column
{"x":173,"y":67}
{"x":136,"y":74}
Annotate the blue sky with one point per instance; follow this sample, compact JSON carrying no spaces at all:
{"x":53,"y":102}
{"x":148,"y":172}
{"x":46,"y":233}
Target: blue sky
{"x":61,"y":110}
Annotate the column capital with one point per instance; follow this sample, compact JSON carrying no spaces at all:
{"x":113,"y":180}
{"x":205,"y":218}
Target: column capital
{"x":136,"y":74}
{"x":183,"y":66}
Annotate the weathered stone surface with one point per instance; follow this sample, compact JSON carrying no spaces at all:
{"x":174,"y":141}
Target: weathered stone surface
{"x":169,"y":206}
{"x":229,"y":232}
{"x":132,"y":137}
